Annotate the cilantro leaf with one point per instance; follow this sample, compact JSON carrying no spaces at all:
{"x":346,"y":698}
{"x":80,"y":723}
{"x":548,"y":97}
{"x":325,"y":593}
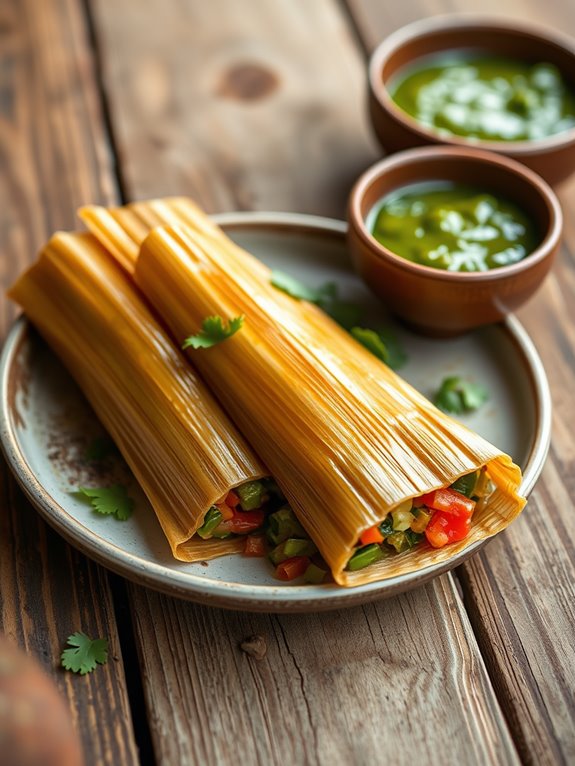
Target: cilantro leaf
{"x":292,"y":286}
{"x":371,"y":340}
{"x":110,"y":501}
{"x":458,"y":396}
{"x":214,"y":331}
{"x":396,"y":356}
{"x":383,"y":343}
{"x":386,"y":526}
{"x":85,"y":653}
{"x":100,"y":448}
{"x":325,"y":296}
{"x":347,"y":315}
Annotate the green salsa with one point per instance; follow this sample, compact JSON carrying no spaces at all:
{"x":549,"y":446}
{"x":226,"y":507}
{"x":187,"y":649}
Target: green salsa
{"x":489,"y":98}
{"x":452,"y":226}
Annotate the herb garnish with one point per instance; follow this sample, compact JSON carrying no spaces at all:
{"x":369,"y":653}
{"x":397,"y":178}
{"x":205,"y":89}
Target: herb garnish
{"x":292,"y":286}
{"x":383,"y":343}
{"x":214,"y":330}
{"x":396,"y":356}
{"x":372,"y":342}
{"x":85,"y":653}
{"x":458,"y":396}
{"x":110,"y":501}
{"x":100,"y":448}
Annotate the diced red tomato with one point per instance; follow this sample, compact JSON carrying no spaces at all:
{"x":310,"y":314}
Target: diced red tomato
{"x":449,"y":501}
{"x":372,"y":535}
{"x":255,"y":546}
{"x":292,"y":568}
{"x":446,"y":528}
{"x":243,"y":522}
{"x":225,"y":510}
{"x":232,"y":499}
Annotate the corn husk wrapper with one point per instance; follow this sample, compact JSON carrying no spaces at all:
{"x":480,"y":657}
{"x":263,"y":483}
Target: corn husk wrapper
{"x":345,"y":437}
{"x":182,"y":448}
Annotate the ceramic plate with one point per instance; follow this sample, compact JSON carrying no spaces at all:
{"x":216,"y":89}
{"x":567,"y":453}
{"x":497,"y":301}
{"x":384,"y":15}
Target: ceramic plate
{"x":47,"y":427}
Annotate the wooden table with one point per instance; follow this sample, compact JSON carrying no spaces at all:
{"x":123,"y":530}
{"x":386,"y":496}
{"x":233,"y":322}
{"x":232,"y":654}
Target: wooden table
{"x":261,"y":105}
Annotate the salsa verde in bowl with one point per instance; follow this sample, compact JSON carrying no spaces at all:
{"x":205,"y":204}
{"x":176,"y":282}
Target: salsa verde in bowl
{"x":440,"y":193}
{"x":452,"y":226}
{"x":474,"y":81}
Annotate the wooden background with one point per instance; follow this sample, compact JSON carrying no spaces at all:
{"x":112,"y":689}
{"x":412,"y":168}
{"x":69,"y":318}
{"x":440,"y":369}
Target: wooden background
{"x":260,"y":104}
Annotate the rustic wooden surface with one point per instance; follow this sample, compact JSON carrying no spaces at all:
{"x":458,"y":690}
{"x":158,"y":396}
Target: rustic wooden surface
{"x":53,"y":155}
{"x":261,"y":105}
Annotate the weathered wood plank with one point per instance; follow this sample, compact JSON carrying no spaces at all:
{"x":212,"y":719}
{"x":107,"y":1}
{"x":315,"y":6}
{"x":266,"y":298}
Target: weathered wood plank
{"x":397,"y":682}
{"x":374,"y":20}
{"x":239,"y":107}
{"x":520,"y":592}
{"x":190,"y":116}
{"x":53,"y":157}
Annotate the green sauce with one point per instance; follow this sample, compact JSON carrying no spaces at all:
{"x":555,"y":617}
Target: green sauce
{"x":453,"y":227}
{"x":493,"y":99}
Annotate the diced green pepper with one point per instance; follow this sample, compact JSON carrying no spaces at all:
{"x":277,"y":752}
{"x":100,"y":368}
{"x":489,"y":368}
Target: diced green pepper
{"x":290,"y":548}
{"x":401,"y":519}
{"x":398,"y":541}
{"x":421,"y":520}
{"x":251,"y":495}
{"x":296,"y":547}
{"x":466,"y":484}
{"x":386,"y":526}
{"x":283,"y":524}
{"x":484,"y":486}
{"x":314,"y":575}
{"x":211,"y":520}
{"x":403,"y":541}
{"x":412,"y":537}
{"x":365,"y":556}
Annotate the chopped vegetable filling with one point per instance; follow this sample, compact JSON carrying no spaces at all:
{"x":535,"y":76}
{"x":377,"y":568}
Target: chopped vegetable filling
{"x":439,"y":517}
{"x":258,"y":511}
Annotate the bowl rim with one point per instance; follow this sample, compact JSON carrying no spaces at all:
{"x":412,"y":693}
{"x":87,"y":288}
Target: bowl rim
{"x":465,"y":21}
{"x":423,"y":154}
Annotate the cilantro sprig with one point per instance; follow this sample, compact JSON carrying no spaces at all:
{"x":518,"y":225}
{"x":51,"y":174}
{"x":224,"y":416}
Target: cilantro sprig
{"x":382,"y":342}
{"x":109,"y":501}
{"x":101,"y":448}
{"x":84,"y":653}
{"x":325,"y":296}
{"x":292,"y":286}
{"x":372,"y":342}
{"x":458,"y":396}
{"x":396,"y":356}
{"x":214,"y":330}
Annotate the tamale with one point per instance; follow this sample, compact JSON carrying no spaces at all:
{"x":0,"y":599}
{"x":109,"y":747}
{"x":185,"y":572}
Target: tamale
{"x":346,"y":438}
{"x":182,"y":448}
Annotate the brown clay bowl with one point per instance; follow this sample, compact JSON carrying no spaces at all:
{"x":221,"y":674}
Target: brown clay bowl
{"x":443,"y":303}
{"x":553,"y":157}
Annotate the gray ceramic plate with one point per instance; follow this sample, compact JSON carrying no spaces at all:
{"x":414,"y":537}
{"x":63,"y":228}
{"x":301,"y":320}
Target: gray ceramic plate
{"x":46,"y":428}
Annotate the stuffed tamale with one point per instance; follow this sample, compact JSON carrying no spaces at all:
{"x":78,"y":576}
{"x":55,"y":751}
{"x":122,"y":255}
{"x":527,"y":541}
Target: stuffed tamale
{"x":202,"y":479}
{"x":349,"y":442}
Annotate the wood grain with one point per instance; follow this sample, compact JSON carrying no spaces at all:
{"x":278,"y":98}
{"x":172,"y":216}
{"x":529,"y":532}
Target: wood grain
{"x":53,"y":157}
{"x":242,"y":108}
{"x":520,"y":592}
{"x":340,"y":688}
{"x":369,"y":685}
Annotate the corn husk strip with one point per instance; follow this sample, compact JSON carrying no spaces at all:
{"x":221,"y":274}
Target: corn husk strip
{"x":181,"y":447}
{"x":346,"y":438}
{"x":123,"y":229}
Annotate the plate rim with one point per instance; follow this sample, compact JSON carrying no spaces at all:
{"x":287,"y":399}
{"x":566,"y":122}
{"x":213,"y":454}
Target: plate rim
{"x":237,"y":595}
